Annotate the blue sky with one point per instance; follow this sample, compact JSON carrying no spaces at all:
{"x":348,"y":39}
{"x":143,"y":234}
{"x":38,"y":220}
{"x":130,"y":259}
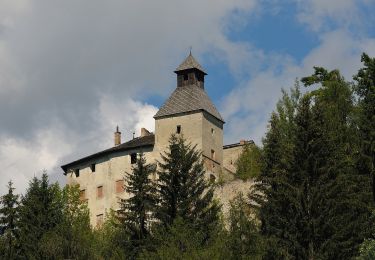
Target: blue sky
{"x":70,"y":71}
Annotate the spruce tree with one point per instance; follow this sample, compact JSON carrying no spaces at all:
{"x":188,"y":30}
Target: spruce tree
{"x":8,"y":223}
{"x":135,"y":214}
{"x":183,"y":191}
{"x":40,"y":213}
{"x":365,"y":89}
{"x":312,"y":201}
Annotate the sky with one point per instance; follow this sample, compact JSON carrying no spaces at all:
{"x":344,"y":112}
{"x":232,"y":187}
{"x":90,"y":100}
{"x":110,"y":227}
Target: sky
{"x":70,"y":71}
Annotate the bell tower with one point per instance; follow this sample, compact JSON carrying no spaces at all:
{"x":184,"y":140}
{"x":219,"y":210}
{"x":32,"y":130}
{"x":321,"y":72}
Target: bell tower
{"x":190,"y":112}
{"x":190,"y":72}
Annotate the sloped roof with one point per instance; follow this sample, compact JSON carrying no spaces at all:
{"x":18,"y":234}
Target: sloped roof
{"x":187,"y":99}
{"x":190,"y":63}
{"x":144,"y":141}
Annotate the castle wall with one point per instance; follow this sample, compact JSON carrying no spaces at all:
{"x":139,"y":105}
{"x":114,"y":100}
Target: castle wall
{"x":230,"y":157}
{"x":108,"y":170}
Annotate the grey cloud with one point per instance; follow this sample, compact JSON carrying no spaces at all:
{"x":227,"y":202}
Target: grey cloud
{"x":58,"y":59}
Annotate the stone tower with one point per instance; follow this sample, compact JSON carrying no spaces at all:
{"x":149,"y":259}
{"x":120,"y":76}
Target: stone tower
{"x":190,"y":112}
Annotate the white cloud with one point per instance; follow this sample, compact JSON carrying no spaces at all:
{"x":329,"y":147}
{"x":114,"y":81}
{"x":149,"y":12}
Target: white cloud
{"x":248,"y":107}
{"x":315,"y":13}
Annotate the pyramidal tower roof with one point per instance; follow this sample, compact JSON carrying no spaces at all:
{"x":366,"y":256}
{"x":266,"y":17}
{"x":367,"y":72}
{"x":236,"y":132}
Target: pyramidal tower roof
{"x":189,"y":97}
{"x":190,"y":63}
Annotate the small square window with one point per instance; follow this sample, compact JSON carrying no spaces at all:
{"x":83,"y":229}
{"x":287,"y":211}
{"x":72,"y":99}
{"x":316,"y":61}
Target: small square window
{"x":133,"y":158}
{"x":212,"y":131}
{"x":82,"y":195}
{"x":119,"y":186}
{"x":92,"y":167}
{"x":212,"y":154}
{"x":178,"y":129}
{"x":76,"y":172}
{"x":99,"y":220}
{"x":99,"y":192}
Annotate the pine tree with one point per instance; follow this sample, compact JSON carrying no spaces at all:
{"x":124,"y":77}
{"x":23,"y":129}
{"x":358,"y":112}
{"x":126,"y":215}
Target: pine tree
{"x":183,"y":191}
{"x":40,"y":213}
{"x":135,"y":214}
{"x":365,"y":89}
{"x":8,"y":223}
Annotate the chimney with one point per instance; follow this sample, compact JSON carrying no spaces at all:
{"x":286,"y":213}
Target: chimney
{"x":243,"y":142}
{"x":117,"y":137}
{"x":144,"y":132}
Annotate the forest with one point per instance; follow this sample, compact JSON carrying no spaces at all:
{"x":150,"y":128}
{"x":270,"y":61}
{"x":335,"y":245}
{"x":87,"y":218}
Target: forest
{"x":313,"y":195}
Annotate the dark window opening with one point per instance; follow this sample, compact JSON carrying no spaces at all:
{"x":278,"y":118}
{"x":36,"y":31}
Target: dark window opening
{"x":178,"y":130}
{"x":99,"y":192}
{"x":212,"y":154}
{"x":185,"y":77}
{"x":92,"y":167}
{"x":133,"y":158}
{"x":76,"y":172}
{"x":212,"y":178}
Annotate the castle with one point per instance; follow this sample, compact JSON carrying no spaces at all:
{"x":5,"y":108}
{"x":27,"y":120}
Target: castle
{"x":188,"y":112}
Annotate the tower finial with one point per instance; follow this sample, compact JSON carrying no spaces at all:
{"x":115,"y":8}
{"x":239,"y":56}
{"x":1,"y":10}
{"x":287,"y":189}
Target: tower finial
{"x":191,"y":47}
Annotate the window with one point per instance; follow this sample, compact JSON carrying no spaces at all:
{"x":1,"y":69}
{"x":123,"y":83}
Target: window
{"x":212,"y":131}
{"x":99,"y":220}
{"x":212,"y":178}
{"x":119,"y":186}
{"x":92,"y":167}
{"x":76,"y":172}
{"x":212,"y":154}
{"x":82,"y":195}
{"x":185,"y":77}
{"x":178,"y":129}
{"x":133,"y":158}
{"x":99,"y":192}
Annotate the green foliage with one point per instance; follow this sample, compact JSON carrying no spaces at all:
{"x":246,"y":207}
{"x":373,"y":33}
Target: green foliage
{"x":74,"y":231}
{"x":40,"y":213}
{"x":181,"y":240}
{"x":243,"y":237}
{"x":135,"y":213}
{"x":367,"y":250}
{"x":109,"y":238}
{"x":8,"y":223}
{"x":365,"y":89}
{"x":249,"y":162}
{"x":310,"y":196}
{"x":182,"y":189}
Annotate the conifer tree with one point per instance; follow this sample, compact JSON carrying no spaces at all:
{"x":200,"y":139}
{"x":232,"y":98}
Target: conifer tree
{"x":183,"y":191}
{"x":135,"y":214}
{"x":8,"y":223}
{"x":365,"y":89}
{"x":312,"y":201}
{"x":40,"y":213}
